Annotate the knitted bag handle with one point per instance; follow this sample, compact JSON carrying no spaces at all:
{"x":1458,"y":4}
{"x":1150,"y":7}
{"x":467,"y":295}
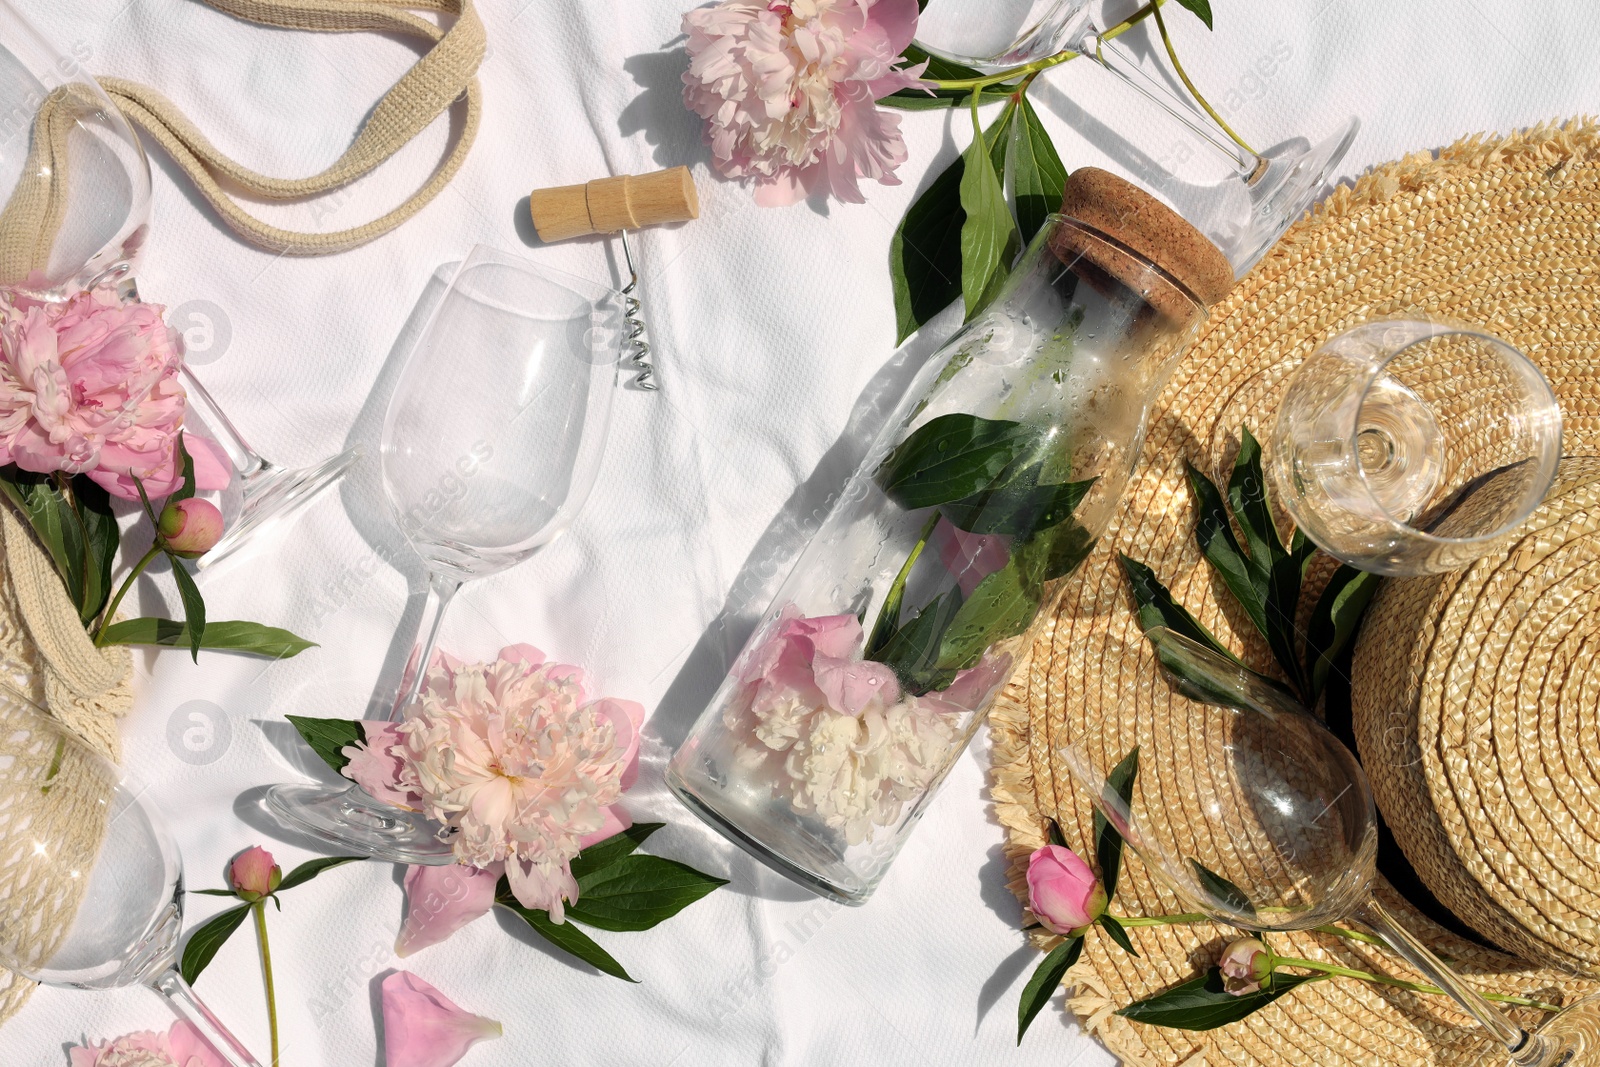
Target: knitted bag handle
{"x":437,"y":80}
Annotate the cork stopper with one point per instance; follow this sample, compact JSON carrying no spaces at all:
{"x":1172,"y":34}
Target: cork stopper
{"x":606,"y":205}
{"x":1132,"y":217}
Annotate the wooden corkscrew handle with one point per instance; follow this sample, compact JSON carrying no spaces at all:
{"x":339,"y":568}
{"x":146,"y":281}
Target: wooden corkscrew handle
{"x":607,"y":205}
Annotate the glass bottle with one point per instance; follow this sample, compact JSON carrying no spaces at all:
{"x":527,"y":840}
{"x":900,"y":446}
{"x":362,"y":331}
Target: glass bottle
{"x":902,"y":618}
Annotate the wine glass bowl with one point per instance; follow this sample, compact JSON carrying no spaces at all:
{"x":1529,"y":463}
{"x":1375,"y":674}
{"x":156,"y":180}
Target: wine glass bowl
{"x":1276,"y":826}
{"x":994,"y":35}
{"x":74,"y":182}
{"x":91,"y":889}
{"x":1413,"y":446}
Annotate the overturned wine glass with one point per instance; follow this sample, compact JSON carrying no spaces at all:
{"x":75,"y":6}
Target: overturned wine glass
{"x":1242,"y":199}
{"x":1273,"y":828}
{"x":76,"y":216}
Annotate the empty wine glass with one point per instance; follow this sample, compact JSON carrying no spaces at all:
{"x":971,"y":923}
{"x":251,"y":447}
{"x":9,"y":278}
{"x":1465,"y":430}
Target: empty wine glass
{"x":75,"y":185}
{"x":1386,"y":431}
{"x":1257,"y":816}
{"x":1244,"y":207}
{"x":491,"y":443}
{"x":91,"y":892}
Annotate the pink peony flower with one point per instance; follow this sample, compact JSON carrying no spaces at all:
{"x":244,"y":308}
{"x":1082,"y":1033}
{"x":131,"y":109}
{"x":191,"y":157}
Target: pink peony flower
{"x":1063,"y":892}
{"x":254,"y":874}
{"x":511,"y":756}
{"x":90,"y":386}
{"x":788,"y":89}
{"x":970,"y":557}
{"x":191,"y":527}
{"x":1245,"y":964}
{"x":814,"y":662}
{"x":422,"y":1028}
{"x":181,"y":1046}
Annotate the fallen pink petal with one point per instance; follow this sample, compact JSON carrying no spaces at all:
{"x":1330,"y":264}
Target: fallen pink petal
{"x":441,"y":900}
{"x":423,"y":1028}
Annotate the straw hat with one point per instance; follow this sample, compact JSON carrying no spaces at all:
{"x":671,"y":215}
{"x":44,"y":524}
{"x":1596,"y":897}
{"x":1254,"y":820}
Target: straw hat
{"x":1501,"y":233}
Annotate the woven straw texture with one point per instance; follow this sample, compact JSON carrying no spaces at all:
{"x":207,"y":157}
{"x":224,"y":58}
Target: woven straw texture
{"x":1503,"y":234}
{"x":1474,"y":700}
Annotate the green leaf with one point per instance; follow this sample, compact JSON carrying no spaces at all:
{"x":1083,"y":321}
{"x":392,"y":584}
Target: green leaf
{"x":939,"y":99}
{"x":925,"y":252}
{"x":1333,"y":623}
{"x":311,"y":868}
{"x":227,"y":635}
{"x":1202,"y":1003}
{"x":1020,"y":506}
{"x":1045,"y":981}
{"x":1247,"y":495}
{"x":1003,"y":605}
{"x":1056,"y":552}
{"x":565,"y":936}
{"x":102,"y":538}
{"x":638,"y":891}
{"x":889,"y":614}
{"x":50,"y":517}
{"x":185,"y":488}
{"x":1213,"y":533}
{"x":213,"y":892}
{"x":328,"y":736}
{"x":1053,"y":829}
{"x":1107,"y":841}
{"x":604,"y":853}
{"x":1038,"y":176}
{"x":204,"y":942}
{"x":950,"y":457}
{"x":1156,"y":607}
{"x":1221,"y":889}
{"x":915,"y":650}
{"x":989,"y":239}
{"x":1202,"y":8}
{"x":1110,"y":925}
{"x":194,"y":606}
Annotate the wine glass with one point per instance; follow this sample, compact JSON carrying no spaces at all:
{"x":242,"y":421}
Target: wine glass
{"x":1414,"y":446}
{"x":75,"y":185}
{"x":91,"y":894}
{"x":491,"y":443}
{"x":1259,"y":817}
{"x":1244,"y":209}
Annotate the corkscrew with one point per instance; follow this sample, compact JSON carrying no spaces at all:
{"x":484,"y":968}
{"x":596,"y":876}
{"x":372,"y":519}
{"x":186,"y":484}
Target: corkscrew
{"x":618,"y":205}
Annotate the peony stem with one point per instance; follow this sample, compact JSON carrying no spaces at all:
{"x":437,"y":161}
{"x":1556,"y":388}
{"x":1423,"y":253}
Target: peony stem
{"x":260,"y":910}
{"x":1049,"y":61}
{"x":1163,"y":920}
{"x":116,"y":601}
{"x":1400,"y":983}
{"x":1172,"y":54}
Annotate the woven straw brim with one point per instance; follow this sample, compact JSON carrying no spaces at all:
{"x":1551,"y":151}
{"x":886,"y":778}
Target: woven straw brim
{"x":1503,"y":234}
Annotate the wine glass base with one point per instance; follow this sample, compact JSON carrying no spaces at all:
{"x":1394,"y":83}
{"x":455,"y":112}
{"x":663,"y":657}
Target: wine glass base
{"x":1287,"y":186}
{"x":1573,"y":1035}
{"x":351,"y":820}
{"x":273,"y":495}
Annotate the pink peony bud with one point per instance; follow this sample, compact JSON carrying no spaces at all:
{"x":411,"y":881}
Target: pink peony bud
{"x":190,"y":527}
{"x":1245,"y":964}
{"x":1063,"y":891}
{"x":253,"y":874}
{"x":421,"y":1028}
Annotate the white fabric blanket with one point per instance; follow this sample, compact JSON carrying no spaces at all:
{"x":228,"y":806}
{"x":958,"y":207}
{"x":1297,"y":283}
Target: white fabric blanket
{"x":775,"y":335}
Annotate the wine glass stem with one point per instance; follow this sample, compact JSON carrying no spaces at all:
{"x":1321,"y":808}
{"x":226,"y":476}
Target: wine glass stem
{"x":1113,"y":57}
{"x":1526,"y":1049}
{"x":170,"y":984}
{"x":441,"y":591}
{"x":240,"y":454}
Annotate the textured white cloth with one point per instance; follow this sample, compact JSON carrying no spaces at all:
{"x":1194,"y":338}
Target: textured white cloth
{"x":775,"y":335}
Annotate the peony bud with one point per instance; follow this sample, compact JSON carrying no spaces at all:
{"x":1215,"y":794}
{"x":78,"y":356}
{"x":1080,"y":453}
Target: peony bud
{"x":190,"y":527}
{"x":1063,"y":891}
{"x":253,"y":874}
{"x":1245,"y":964}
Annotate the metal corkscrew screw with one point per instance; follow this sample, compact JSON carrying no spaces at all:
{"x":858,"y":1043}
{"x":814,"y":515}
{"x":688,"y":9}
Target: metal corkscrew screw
{"x":633,"y":321}
{"x":618,"y":205}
